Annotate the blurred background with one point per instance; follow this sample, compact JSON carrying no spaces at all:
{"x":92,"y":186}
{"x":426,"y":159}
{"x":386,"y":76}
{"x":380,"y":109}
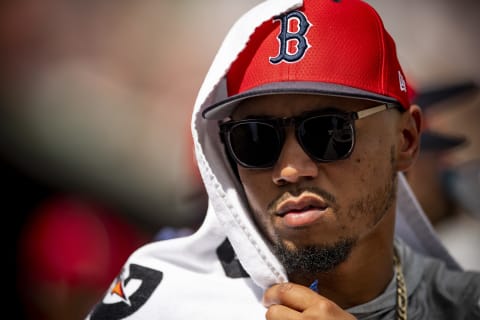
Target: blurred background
{"x":95,"y":148}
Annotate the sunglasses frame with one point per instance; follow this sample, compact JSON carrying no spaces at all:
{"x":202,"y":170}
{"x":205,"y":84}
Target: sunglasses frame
{"x":296,"y":121}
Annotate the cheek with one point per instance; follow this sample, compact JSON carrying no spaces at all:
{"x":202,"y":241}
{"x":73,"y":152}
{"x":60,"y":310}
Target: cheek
{"x":260,"y":191}
{"x":372,"y":157}
{"x":367,"y":172}
{"x":256,"y":185}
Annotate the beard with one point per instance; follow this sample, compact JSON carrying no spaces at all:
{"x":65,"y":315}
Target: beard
{"x":315,"y":258}
{"x":320,"y":258}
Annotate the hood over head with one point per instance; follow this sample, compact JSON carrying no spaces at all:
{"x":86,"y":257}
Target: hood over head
{"x":364,"y":67}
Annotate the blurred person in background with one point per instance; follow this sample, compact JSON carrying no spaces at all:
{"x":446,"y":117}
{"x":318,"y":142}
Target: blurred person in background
{"x":315,"y":221}
{"x":80,"y":108}
{"x":426,"y":176}
{"x":446,"y":176}
{"x":69,"y":249}
{"x":80,"y":111}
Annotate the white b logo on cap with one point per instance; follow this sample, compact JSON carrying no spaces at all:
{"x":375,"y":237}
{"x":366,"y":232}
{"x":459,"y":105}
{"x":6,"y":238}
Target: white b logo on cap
{"x":286,"y":36}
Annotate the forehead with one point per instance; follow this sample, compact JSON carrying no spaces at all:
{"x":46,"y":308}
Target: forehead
{"x":285,"y":105}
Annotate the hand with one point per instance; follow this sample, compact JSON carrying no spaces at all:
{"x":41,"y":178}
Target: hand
{"x":291,"y":301}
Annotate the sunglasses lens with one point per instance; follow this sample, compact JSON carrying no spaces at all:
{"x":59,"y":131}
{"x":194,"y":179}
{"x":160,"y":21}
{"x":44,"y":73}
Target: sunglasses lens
{"x":255,"y":144}
{"x":326,"y":138}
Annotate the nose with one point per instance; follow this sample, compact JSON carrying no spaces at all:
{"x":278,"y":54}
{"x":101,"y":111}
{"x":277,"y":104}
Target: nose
{"x":293,"y":164}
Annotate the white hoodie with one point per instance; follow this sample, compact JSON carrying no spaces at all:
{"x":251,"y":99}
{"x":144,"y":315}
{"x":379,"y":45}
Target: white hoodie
{"x":201,"y":276}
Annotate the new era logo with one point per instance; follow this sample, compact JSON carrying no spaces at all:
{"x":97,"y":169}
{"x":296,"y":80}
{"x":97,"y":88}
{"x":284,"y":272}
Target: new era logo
{"x":401,"y":80}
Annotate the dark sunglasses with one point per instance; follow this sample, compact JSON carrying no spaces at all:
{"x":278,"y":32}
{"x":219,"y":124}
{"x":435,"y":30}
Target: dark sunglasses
{"x":325,"y":137}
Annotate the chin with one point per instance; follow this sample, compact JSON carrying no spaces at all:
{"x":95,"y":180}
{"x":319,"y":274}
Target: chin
{"x":313,"y":258}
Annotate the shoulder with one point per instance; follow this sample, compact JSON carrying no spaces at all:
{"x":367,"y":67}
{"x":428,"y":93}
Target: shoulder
{"x":445,"y":293}
{"x":160,"y":278}
{"x":453,"y":281}
{"x":138,"y":282}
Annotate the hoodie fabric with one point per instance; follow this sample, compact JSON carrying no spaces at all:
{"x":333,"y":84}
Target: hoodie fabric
{"x":222,"y":270}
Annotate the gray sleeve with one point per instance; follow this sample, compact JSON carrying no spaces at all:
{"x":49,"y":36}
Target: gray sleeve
{"x":446,"y":294}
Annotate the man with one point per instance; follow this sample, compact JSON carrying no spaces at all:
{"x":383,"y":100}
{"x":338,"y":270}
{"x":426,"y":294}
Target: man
{"x":302,"y":129}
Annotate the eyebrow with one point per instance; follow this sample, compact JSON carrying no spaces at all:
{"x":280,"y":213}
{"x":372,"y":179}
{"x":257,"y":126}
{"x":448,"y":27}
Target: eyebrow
{"x":326,"y":110}
{"x":258,"y":117}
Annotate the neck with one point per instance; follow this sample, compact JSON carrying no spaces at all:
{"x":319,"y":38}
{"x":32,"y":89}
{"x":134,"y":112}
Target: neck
{"x":364,"y":275}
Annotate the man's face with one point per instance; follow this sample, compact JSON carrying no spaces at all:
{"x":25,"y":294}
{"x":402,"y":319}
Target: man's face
{"x":305,"y":207}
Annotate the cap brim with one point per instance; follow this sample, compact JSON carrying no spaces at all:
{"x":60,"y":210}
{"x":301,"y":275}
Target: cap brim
{"x":430,"y":97}
{"x":436,"y":141}
{"x":224,"y":108}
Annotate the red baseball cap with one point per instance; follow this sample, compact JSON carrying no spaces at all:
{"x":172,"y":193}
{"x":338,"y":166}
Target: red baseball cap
{"x":328,"y":47}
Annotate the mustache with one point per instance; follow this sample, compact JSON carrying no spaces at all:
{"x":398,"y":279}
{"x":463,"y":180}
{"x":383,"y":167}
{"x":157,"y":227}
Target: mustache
{"x":329,"y":198}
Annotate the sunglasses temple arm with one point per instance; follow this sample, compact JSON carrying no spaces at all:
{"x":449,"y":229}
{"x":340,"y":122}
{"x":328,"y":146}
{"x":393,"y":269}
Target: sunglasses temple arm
{"x":371,"y":111}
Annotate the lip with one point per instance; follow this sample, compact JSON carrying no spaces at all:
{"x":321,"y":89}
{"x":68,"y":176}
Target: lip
{"x":302,"y":211}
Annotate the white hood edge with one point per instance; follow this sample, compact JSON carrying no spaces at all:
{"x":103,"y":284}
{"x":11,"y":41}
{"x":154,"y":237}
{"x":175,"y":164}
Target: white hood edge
{"x":414,"y":228}
{"x":228,"y":205}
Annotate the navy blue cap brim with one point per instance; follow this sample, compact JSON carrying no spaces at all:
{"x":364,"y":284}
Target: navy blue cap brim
{"x":224,"y":108}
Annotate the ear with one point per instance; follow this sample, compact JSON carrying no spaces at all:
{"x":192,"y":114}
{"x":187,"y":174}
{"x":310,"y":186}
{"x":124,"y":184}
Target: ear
{"x":410,"y":127}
